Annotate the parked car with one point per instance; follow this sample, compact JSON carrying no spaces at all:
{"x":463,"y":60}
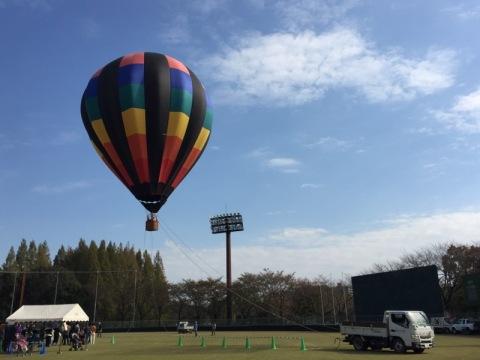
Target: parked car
{"x":465,"y":326}
{"x":184,"y":327}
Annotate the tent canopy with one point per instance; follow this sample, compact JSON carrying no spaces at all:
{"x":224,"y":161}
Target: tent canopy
{"x":41,"y":313}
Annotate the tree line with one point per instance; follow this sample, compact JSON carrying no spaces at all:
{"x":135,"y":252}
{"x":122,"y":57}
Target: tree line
{"x":130,"y":286}
{"x":112,"y":274}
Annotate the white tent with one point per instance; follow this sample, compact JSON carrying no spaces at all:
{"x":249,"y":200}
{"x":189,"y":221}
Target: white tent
{"x":41,"y":313}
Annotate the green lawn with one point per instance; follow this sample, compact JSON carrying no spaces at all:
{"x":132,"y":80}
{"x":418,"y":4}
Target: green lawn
{"x":320,"y":346}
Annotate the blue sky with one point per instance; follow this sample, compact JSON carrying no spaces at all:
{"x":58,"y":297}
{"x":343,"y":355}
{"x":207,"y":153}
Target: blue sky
{"x":345,"y":132}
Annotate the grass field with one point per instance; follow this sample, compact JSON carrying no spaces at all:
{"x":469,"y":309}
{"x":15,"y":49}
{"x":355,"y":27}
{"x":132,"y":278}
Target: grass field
{"x":320,"y":346}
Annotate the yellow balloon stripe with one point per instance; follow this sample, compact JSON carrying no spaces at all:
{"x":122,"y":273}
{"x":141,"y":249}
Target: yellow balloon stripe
{"x":177,"y":124}
{"x":202,"y":139}
{"x":100,"y":131}
{"x":134,"y":121}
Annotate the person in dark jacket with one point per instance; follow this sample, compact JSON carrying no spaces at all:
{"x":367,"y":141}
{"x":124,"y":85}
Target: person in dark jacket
{"x":99,"y":329}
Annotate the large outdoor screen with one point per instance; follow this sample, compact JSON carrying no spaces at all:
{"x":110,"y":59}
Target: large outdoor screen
{"x":410,"y":289}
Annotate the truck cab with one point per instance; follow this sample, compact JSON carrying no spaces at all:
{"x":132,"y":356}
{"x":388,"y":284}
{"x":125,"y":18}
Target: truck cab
{"x":399,"y":331}
{"x":411,"y":327}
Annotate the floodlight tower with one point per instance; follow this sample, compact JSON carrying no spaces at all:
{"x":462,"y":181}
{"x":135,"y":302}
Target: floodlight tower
{"x":227,"y":223}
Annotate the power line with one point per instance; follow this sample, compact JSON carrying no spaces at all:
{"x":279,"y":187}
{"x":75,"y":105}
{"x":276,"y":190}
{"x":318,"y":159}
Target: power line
{"x":63,"y":271}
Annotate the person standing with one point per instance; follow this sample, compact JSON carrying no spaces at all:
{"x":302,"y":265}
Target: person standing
{"x":87,"y":333}
{"x":214,"y":328}
{"x":94,"y":334}
{"x":100,"y":329}
{"x":195,"y":328}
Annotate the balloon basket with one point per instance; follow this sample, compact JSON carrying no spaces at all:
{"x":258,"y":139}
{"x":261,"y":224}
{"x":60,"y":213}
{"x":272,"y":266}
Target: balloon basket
{"x":152,"y":223}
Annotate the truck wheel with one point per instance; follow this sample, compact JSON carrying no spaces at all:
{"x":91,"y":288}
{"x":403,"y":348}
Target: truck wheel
{"x":398,"y":346}
{"x":454,"y":331}
{"x":418,"y":351}
{"x":358,"y":343}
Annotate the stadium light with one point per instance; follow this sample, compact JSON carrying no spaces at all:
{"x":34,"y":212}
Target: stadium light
{"x":227,"y":223}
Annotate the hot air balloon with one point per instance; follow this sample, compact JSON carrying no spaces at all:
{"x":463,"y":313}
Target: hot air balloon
{"x":149,"y":120}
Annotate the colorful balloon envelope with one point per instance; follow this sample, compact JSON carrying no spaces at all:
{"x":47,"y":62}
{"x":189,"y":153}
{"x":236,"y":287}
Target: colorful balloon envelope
{"x":148,"y":118}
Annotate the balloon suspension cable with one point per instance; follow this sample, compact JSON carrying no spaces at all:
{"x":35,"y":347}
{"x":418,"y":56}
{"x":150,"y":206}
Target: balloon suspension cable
{"x":152,"y":222}
{"x":189,"y":251}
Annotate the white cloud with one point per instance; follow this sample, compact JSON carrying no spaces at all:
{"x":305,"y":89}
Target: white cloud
{"x":310,"y":252}
{"x":462,"y":12}
{"x":177,"y":31}
{"x":465,"y":143}
{"x":428,"y":131}
{"x":310,"y":186}
{"x":207,"y":6}
{"x":61,"y":188}
{"x":464,"y":115}
{"x":66,"y":137}
{"x":259,"y":153}
{"x":330,"y":144}
{"x":282,"y":162}
{"x":296,"y":235}
{"x":287,"y":165}
{"x":294,"y":68}
{"x":298,"y":14}
{"x":468,"y":103}
{"x":267,"y":159}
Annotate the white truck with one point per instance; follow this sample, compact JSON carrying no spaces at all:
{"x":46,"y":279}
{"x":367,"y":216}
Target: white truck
{"x":399,"y":331}
{"x":183,"y":327}
{"x":465,"y":326}
{"x":440,"y":325}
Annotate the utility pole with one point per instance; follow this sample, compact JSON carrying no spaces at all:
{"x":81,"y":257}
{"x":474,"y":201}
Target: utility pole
{"x":13,"y":292}
{"x":22,"y":290}
{"x":344,"y":299}
{"x":95,"y":306}
{"x":134,"y":299}
{"x":321,"y":303}
{"x":56,"y":289}
{"x":333,"y":306}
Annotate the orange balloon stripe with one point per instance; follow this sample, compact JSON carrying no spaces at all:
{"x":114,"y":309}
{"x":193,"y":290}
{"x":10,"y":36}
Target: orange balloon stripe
{"x":133,"y":58}
{"x":97,"y":73}
{"x":138,"y":148}
{"x":170,"y":152}
{"x":117,"y":162}
{"x":187,"y":165}
{"x":175,"y":64}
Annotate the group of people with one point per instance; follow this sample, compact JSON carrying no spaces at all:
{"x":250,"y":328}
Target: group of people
{"x":78,"y":335}
{"x":23,"y":337}
{"x":213,"y":328}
